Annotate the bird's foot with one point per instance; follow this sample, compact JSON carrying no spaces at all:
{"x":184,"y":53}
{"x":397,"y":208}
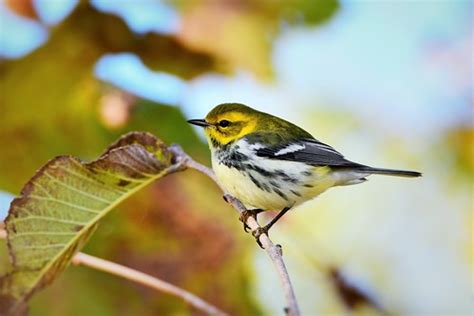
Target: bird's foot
{"x":246,"y":214}
{"x":264,"y":230}
{"x":258,"y":232}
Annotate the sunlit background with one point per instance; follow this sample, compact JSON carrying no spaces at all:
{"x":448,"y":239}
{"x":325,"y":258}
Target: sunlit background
{"x":388,"y":83}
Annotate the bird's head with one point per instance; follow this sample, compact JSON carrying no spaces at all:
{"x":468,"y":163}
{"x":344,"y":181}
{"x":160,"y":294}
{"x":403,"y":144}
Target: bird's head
{"x":229,"y":122}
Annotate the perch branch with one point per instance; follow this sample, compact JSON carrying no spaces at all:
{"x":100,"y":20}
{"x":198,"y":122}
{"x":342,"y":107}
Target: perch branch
{"x":140,"y":278}
{"x":273,"y":251}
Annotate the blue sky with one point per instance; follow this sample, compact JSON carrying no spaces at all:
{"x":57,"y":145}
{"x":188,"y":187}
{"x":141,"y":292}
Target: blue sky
{"x":53,"y":12}
{"x":27,"y":36}
{"x":143,"y":16}
{"x":5,"y":200}
{"x":127,"y":71}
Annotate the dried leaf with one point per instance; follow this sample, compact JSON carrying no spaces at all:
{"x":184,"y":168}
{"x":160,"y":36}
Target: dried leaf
{"x":60,"y":207}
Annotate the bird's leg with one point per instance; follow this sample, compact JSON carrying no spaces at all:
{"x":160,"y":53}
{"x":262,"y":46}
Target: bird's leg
{"x":264,"y":230}
{"x":249,"y":213}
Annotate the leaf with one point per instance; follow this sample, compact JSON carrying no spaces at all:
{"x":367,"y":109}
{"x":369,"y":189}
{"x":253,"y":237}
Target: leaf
{"x":60,"y":207}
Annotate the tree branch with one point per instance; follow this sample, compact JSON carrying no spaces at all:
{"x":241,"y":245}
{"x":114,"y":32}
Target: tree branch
{"x":146,"y":280}
{"x":273,"y":251}
{"x":140,"y":278}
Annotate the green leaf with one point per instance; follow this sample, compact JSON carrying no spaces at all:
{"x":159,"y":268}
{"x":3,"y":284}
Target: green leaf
{"x":60,"y":207}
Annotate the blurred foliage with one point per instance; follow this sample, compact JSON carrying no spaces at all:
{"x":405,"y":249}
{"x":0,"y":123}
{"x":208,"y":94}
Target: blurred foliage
{"x":178,"y":229}
{"x":50,"y":98}
{"x":245,"y":29}
{"x":23,"y":8}
{"x":461,"y":143}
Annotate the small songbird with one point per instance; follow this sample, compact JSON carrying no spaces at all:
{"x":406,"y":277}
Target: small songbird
{"x":271,"y":164}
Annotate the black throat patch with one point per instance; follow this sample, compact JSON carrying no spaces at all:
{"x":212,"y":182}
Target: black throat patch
{"x":229,"y":156}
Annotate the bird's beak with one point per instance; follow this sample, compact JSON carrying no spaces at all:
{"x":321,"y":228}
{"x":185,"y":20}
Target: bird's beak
{"x":201,"y":123}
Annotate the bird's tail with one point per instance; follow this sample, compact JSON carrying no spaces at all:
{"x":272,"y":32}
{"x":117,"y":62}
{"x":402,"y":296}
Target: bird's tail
{"x":391,"y":172}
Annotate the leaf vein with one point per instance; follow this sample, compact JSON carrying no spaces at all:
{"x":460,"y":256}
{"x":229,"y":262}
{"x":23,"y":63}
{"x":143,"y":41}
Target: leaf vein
{"x":139,"y":160}
{"x":46,"y":218}
{"x":92,"y":180}
{"x":122,"y":177}
{"x":39,"y":186}
{"x":34,"y":233}
{"x":82,"y":208}
{"x":64,"y":184}
{"x":123,"y":163}
{"x":41,"y":247}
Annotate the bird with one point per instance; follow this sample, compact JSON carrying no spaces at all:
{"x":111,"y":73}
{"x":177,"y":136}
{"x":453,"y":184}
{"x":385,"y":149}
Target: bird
{"x":268,"y":163}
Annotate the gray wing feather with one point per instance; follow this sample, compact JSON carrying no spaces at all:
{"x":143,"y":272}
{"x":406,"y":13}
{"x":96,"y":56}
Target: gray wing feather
{"x":316,"y":153}
{"x":310,"y":151}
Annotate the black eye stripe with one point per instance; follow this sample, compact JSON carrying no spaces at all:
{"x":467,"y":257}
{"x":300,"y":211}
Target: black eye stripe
{"x":224,"y":123}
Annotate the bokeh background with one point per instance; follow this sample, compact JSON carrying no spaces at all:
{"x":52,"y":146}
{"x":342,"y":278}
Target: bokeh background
{"x":388,"y":83}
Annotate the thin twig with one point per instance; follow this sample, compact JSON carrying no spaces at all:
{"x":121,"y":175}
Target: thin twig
{"x":145,"y":279}
{"x":140,"y":278}
{"x":273,"y":251}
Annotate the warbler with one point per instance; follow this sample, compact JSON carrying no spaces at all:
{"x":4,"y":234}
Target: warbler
{"x":269,"y":163}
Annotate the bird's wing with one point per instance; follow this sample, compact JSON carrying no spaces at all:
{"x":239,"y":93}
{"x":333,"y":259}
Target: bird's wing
{"x":310,"y":151}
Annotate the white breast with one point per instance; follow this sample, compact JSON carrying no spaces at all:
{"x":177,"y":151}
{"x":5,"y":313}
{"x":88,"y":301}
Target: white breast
{"x":281,"y":183}
{"x":239,"y":184}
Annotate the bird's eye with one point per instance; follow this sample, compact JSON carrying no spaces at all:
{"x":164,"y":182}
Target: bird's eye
{"x":224,"y":123}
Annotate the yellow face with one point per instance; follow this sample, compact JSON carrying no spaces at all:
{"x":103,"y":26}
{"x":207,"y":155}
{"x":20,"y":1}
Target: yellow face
{"x":228,"y":122}
{"x":224,"y":128}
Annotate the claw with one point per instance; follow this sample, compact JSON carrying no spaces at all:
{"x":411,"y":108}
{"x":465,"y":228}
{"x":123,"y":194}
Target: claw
{"x":245,"y":215}
{"x":258,"y":232}
{"x":246,"y":227}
